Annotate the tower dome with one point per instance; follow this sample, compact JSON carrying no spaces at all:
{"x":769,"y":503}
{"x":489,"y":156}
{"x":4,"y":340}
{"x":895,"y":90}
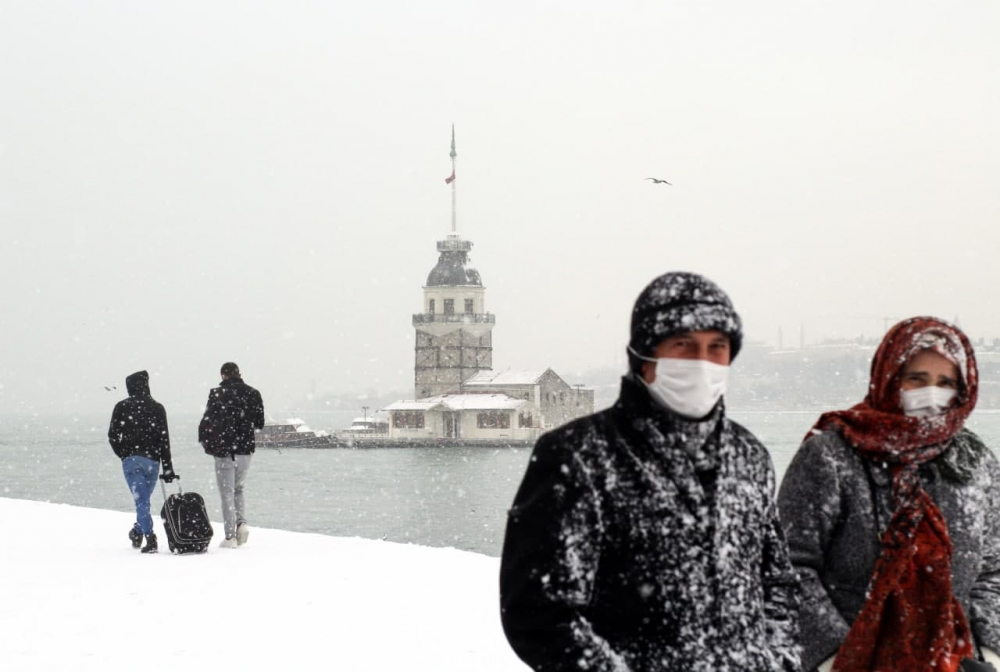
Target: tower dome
{"x":453,"y":269}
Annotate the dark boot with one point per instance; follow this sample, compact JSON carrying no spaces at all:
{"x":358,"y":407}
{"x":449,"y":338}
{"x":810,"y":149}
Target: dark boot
{"x":135,"y":536}
{"x":150,"y":546}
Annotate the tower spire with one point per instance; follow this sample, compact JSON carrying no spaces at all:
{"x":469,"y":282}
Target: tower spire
{"x":453,"y":154}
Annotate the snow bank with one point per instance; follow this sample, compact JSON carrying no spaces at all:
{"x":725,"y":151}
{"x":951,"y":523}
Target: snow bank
{"x":76,"y":596}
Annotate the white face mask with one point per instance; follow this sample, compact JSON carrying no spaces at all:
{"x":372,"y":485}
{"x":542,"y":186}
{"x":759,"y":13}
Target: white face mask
{"x":688,"y":387}
{"x":926,"y":402}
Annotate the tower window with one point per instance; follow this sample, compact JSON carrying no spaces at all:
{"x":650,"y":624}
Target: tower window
{"x":449,"y":306}
{"x":430,"y":307}
{"x":468,"y":307}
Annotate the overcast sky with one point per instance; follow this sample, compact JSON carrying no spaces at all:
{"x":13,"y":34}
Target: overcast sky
{"x":185,"y":183}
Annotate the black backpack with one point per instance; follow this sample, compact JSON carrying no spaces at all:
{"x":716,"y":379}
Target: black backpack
{"x":219,"y":430}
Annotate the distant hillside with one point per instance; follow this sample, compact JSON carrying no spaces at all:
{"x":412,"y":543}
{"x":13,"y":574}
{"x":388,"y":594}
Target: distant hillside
{"x":830,"y":375}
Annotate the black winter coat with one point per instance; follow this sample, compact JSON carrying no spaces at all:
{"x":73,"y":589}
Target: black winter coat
{"x":139,"y":424}
{"x":245,"y":410}
{"x":835,"y":506}
{"x":640,"y":541}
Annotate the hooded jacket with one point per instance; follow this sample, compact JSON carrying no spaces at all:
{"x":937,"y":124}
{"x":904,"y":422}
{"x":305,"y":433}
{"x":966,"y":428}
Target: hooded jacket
{"x":238,"y":409}
{"x":640,"y":541}
{"x":139,"y":424}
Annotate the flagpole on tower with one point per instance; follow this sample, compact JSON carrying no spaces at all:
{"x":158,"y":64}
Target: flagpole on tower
{"x":453,"y":154}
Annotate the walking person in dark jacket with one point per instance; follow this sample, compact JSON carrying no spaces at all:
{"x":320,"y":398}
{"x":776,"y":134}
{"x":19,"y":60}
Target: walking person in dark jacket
{"x":892,"y":514}
{"x":138,"y":434}
{"x":226,"y":432}
{"x":645,"y":537}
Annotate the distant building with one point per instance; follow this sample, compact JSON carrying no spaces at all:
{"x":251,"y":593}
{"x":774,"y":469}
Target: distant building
{"x":457,"y":394}
{"x":466,"y":416}
{"x":557,"y":401}
{"x":454,"y":339}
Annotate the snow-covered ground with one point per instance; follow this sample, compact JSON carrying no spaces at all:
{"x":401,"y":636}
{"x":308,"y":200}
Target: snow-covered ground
{"x":76,"y":596}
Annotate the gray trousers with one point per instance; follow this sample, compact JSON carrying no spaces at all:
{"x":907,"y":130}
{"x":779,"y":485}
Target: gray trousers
{"x":230,"y":474}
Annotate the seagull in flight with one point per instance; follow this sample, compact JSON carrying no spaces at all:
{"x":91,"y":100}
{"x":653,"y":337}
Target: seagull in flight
{"x":110,"y":388}
{"x":656,"y":181}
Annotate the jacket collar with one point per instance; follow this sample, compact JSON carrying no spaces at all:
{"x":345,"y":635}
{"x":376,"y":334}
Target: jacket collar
{"x":667,"y":433}
{"x":958,"y":463}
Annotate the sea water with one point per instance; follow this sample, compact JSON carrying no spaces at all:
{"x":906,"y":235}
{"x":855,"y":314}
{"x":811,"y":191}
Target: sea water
{"x":454,"y":497}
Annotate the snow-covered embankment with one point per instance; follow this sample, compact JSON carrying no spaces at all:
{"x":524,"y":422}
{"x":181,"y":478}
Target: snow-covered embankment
{"x":76,"y":596}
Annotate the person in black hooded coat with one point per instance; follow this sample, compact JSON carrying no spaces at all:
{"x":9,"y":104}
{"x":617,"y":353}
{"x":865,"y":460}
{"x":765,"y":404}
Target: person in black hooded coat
{"x":234,"y":410}
{"x":139,"y":436}
{"x":646,"y":537}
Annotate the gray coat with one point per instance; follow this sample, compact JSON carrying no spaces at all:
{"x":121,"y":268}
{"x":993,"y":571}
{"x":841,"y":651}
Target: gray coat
{"x":834,"y":505}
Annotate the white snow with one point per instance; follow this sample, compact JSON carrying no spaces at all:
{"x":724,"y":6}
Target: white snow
{"x":492,"y":378}
{"x":459,"y":402}
{"x":76,"y":596}
{"x":482,"y":402}
{"x":425,"y":404}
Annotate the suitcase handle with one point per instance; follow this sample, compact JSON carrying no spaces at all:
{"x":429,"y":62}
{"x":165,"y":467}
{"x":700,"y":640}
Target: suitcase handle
{"x":163,"y":487}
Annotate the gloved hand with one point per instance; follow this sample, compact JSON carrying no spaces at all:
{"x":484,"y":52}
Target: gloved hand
{"x":969,"y":665}
{"x":168,"y":476}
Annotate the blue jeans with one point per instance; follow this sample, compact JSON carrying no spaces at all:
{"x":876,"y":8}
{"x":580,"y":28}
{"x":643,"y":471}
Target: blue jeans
{"x":140,"y":474}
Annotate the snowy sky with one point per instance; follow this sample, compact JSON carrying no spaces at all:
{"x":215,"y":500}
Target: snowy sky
{"x":186,"y":183}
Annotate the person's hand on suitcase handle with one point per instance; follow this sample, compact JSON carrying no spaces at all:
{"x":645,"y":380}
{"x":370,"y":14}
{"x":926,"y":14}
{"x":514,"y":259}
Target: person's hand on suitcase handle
{"x":168,"y":476}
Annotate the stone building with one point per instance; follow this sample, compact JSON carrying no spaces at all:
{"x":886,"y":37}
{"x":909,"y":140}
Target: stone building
{"x":454,"y":339}
{"x":456,"y":392}
{"x":464,"y":416}
{"x":557,"y":401}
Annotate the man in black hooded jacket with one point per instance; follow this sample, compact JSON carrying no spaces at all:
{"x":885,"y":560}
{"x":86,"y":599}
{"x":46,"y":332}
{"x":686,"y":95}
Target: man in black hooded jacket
{"x":645,"y":537}
{"x":139,"y":437}
{"x":234,"y":410}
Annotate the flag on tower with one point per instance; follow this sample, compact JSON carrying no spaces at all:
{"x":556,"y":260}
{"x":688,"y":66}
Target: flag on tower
{"x":451,"y":178}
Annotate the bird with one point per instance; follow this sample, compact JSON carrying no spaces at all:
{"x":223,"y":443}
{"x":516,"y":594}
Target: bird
{"x":656,"y":181}
{"x":110,"y":388}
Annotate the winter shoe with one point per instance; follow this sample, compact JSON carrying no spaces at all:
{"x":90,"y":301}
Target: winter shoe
{"x":229,"y":543}
{"x":150,"y":546}
{"x":135,"y":536}
{"x":242,"y":534}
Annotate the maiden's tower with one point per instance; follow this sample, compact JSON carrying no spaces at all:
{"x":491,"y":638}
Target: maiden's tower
{"x":457,"y":394}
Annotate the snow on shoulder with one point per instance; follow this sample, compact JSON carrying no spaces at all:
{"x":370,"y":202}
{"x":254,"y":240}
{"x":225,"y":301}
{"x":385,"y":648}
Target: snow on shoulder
{"x":78,"y":597}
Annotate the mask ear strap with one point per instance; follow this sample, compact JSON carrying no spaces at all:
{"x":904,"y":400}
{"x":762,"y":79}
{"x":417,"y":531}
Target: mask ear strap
{"x":645,"y":359}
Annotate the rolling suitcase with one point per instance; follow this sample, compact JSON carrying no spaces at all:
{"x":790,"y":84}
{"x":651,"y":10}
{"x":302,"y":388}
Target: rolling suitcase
{"x":186,"y":521}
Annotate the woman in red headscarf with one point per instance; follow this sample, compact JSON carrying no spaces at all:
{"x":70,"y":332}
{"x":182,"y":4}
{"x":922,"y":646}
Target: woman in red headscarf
{"x":891,"y":510}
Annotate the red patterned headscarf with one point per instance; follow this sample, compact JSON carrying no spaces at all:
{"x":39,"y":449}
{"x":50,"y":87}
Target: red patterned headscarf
{"x":910,"y":619}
